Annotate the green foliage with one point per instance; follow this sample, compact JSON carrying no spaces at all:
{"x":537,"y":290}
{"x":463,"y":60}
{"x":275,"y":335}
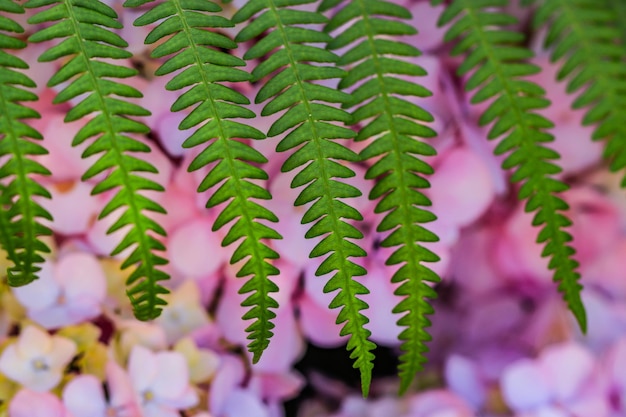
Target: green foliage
{"x":204,"y":69}
{"x":498,"y":64}
{"x":87,"y":42}
{"x":20,"y":227}
{"x":381,"y":103}
{"x":582,"y":35}
{"x":313,"y":125}
{"x":619,"y":8}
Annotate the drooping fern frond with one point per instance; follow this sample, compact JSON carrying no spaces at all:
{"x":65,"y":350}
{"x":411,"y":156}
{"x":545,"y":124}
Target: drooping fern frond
{"x":619,"y":9}
{"x":384,"y":101}
{"x":20,"y":227}
{"x":204,"y":69}
{"x":583,"y":35}
{"x":312,"y":124}
{"x":497,"y":65}
{"x":84,"y":27}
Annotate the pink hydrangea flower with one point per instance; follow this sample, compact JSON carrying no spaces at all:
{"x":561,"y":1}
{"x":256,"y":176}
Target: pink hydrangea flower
{"x":68,"y":291}
{"x":84,"y":396}
{"x":564,"y":381}
{"x":595,"y":230}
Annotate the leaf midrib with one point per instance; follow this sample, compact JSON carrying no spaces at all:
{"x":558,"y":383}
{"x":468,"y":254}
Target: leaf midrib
{"x":142,"y":236}
{"x":256,"y":255}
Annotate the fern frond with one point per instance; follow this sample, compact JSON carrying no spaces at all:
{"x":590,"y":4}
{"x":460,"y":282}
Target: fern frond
{"x":20,"y":214}
{"x":384,"y":102}
{"x":204,"y":67}
{"x":498,"y":64}
{"x":312,"y":125}
{"x":619,"y":8}
{"x":84,"y":27}
{"x":583,"y":35}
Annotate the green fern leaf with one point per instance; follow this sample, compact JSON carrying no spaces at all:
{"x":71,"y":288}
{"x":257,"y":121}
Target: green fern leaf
{"x":19,"y":214}
{"x":374,"y":64}
{"x":498,"y":65}
{"x":583,"y":36}
{"x":204,"y":67}
{"x":619,"y":8}
{"x":312,"y":125}
{"x":84,"y":30}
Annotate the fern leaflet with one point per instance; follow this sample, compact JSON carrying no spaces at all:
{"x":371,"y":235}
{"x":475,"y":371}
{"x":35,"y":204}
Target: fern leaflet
{"x":19,"y":213}
{"x":394,"y":122}
{"x":498,"y":66}
{"x":308,"y":119}
{"x":583,"y":34}
{"x":619,"y":8}
{"x":204,"y":68}
{"x":83,"y":27}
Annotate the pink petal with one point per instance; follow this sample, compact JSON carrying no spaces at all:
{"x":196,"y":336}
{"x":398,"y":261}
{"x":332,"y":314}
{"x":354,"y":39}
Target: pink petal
{"x":461,"y":188}
{"x":463,"y":377}
{"x":281,"y":386}
{"x":81,"y":275}
{"x":172,"y":377}
{"x":170,"y":136}
{"x":318,"y":323}
{"x":27,"y":403}
{"x":54,"y":317}
{"x":229,"y":312}
{"x":103,"y":243}
{"x":195,"y":250}
{"x":516,"y":255}
{"x":121,"y":393}
{"x":425,"y":18}
{"x":525,"y":385}
{"x":152,"y":409}
{"x":227,"y":379}
{"x":381,"y":302}
{"x":83,"y":396}
{"x":142,"y":368}
{"x":439,"y":403}
{"x":63,"y":159}
{"x":286,"y":346}
{"x":243,"y":403}
{"x":41,"y":293}
{"x":572,"y":142}
{"x":72,"y":206}
{"x":568,"y":366}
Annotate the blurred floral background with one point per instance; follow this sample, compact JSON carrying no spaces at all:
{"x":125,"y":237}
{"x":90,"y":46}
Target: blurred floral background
{"x":503,"y":342}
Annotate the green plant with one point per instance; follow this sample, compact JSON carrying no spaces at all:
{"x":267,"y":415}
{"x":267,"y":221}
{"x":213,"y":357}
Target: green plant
{"x":374,"y":101}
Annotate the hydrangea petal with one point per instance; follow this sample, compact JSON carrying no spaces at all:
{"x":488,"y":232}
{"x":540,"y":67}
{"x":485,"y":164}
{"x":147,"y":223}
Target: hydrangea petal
{"x":83,"y":397}
{"x":525,"y":385}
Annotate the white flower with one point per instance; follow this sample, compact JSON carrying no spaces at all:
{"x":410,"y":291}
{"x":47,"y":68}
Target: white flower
{"x":37,"y":360}
{"x":202,"y":363}
{"x":183,"y":313}
{"x":161,"y":382}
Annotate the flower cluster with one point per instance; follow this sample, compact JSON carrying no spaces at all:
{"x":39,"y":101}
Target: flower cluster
{"x":503,"y":342}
